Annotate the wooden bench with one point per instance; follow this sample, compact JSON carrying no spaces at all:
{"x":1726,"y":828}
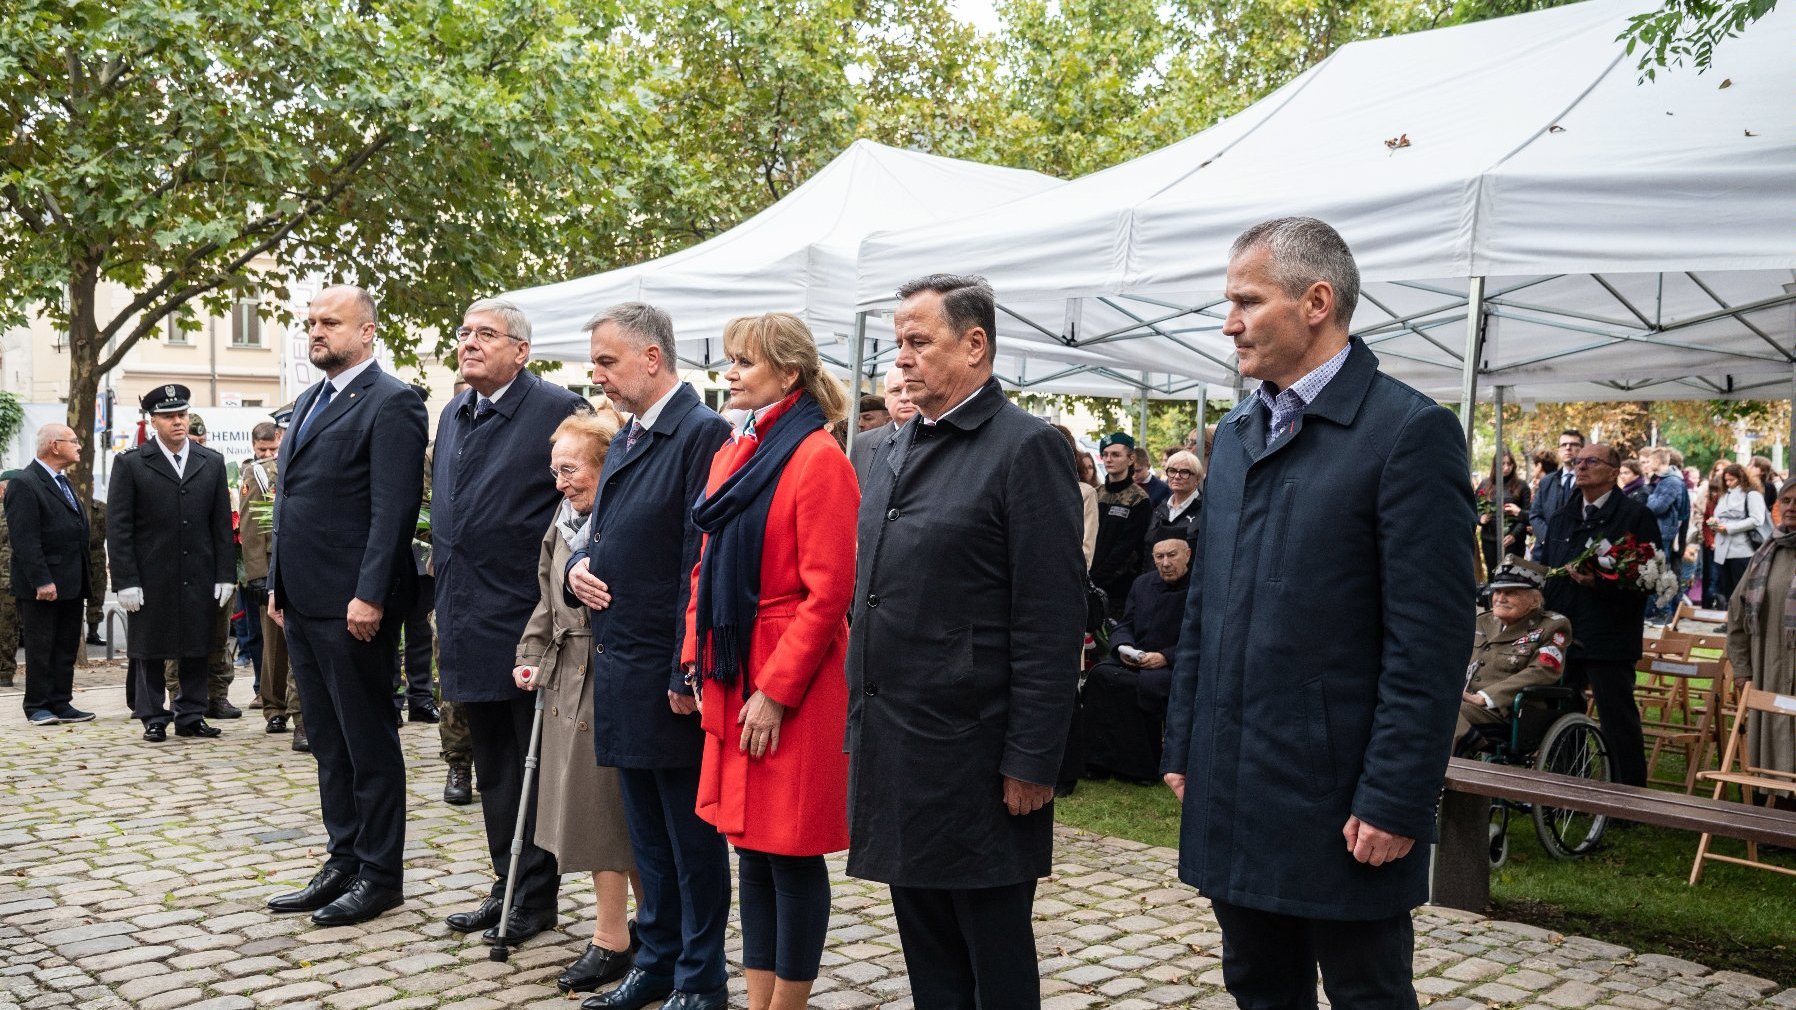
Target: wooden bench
{"x":1461,"y":872}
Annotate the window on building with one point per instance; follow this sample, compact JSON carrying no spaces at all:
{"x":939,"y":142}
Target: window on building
{"x":246,"y":324}
{"x":173,"y":332}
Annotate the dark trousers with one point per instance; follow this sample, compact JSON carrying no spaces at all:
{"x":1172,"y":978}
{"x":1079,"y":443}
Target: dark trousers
{"x":414,"y":680}
{"x":52,"y":634}
{"x":1611,"y":683}
{"x":500,"y":733}
{"x":784,"y":902}
{"x":1731,"y":572}
{"x":346,"y":688}
{"x":1269,"y":961}
{"x":149,"y":689}
{"x":685,"y":870}
{"x":248,"y":626}
{"x":969,"y":949}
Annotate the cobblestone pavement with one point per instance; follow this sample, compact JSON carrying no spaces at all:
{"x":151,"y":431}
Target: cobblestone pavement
{"x":133,"y":875}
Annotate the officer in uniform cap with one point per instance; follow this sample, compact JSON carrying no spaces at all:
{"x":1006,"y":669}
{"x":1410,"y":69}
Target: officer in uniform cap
{"x":219,"y":672}
{"x":9,"y":607}
{"x":1519,"y":643}
{"x":169,"y":543}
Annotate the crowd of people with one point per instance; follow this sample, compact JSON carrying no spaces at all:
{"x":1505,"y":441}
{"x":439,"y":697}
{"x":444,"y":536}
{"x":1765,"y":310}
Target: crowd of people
{"x":738,"y":637}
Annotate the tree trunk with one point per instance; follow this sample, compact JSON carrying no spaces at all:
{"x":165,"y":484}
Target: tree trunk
{"x":84,"y":380}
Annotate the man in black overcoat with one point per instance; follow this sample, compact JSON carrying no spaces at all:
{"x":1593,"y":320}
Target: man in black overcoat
{"x":168,"y":541}
{"x":1326,"y":634}
{"x":340,"y":578}
{"x":49,"y":574}
{"x":963,"y":657}
{"x":1606,"y":616}
{"x":636,"y":579}
{"x":1123,"y":703}
{"x":491,"y":499}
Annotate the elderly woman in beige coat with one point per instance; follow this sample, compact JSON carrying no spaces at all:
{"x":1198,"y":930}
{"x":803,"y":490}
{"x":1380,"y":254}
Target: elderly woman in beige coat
{"x":580,"y":814}
{"x":1761,"y":637}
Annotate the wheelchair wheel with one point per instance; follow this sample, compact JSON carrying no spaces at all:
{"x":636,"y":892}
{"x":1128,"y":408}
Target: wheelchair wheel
{"x":1499,"y":837}
{"x":1573,"y":746}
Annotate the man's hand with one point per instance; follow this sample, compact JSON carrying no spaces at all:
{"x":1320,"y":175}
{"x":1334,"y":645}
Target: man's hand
{"x":223,"y":591}
{"x":47,"y":591}
{"x":130,"y":599}
{"x":1176,"y":783}
{"x":1025,"y":797}
{"x":364,"y":619}
{"x":274,"y":612}
{"x":682,"y":704}
{"x":1153,"y":660}
{"x":589,"y":589}
{"x":524,"y":677}
{"x":760,"y":720}
{"x":1374,"y":846}
{"x":1471,"y":699}
{"x":1581,"y":577}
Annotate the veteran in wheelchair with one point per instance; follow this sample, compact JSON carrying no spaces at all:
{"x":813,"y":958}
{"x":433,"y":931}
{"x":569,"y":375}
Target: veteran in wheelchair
{"x":1518,"y":644}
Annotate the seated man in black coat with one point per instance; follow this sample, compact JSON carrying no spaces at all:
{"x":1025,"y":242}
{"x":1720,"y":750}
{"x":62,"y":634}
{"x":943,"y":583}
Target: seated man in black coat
{"x":1125,"y":697}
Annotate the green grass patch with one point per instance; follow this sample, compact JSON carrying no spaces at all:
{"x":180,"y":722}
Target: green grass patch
{"x":1631,"y":891}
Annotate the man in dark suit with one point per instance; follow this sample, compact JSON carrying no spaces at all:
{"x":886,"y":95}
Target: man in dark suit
{"x":1122,"y":714}
{"x":492,"y":497}
{"x":169,"y":542}
{"x":1318,"y":676}
{"x":1554,"y":490}
{"x":899,"y":409}
{"x":341,"y":575}
{"x":644,"y":715}
{"x":963,"y":658}
{"x":1606,"y":617}
{"x":49,"y":574}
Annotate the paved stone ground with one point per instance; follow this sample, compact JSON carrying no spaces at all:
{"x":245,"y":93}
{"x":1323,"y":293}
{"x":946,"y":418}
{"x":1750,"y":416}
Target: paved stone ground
{"x":133,"y":875}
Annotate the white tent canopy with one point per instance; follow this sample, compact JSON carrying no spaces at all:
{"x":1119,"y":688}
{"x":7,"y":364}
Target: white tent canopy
{"x":798,"y":256}
{"x":1620,"y":240}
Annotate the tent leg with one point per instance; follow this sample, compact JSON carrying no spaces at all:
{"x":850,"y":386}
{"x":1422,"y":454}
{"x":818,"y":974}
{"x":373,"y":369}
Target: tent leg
{"x":1474,"y":350}
{"x":1142,"y":440}
{"x":1498,"y":486}
{"x":855,"y":358}
{"x":1791,"y":441}
{"x":1203,"y":409}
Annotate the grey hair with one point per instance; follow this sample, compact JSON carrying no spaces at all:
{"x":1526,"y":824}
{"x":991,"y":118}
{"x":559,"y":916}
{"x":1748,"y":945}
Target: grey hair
{"x":644,"y":323}
{"x":894,"y":370}
{"x":1305,"y":251}
{"x":48,"y":434}
{"x":967,"y":301}
{"x":1189,"y":459}
{"x":363,"y":300}
{"x":517,"y":324}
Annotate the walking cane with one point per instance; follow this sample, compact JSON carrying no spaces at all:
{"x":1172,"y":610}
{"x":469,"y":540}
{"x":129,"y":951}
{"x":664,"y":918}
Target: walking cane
{"x":500,"y":952}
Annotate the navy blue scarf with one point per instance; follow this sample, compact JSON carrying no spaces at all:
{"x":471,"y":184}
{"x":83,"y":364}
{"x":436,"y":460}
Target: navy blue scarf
{"x":735,"y":517}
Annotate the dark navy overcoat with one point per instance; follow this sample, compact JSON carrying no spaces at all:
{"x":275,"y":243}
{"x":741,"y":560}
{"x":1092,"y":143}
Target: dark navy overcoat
{"x":492,"y":496}
{"x":644,"y":546}
{"x":1326,"y":637}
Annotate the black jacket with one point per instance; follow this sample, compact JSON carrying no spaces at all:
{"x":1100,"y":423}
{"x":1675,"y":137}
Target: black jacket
{"x":1151,"y":622}
{"x":1606,"y":619}
{"x":49,"y":539}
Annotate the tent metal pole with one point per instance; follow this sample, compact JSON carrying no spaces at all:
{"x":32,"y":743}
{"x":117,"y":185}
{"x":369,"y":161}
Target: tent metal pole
{"x":1203,"y":408}
{"x":1474,"y":350}
{"x":855,"y":360}
{"x":1792,"y":439}
{"x":1498,"y":486}
{"x":1142,"y":441}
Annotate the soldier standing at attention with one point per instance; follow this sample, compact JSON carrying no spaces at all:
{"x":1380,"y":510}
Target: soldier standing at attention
{"x":9,"y":607}
{"x":258,"y":543}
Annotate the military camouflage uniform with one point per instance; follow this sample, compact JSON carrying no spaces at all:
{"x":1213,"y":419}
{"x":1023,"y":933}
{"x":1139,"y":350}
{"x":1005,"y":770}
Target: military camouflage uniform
{"x":96,"y":565}
{"x":9,"y":610}
{"x":256,"y":543}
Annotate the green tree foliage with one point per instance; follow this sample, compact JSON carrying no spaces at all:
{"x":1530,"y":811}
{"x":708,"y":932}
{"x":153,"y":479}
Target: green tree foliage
{"x":1689,"y":30}
{"x":191,"y":151}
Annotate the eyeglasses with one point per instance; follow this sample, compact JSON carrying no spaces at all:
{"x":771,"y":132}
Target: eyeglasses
{"x":1584,"y":461}
{"x":1179,"y":471}
{"x":76,"y":441}
{"x":561,"y":473}
{"x":484,"y":334}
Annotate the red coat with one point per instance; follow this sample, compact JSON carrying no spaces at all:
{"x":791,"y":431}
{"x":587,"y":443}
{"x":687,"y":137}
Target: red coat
{"x":793,"y":802}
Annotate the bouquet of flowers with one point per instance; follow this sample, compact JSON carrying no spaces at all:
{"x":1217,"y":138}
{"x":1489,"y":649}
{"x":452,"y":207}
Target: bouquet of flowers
{"x":1630,"y":563}
{"x":1514,"y":525}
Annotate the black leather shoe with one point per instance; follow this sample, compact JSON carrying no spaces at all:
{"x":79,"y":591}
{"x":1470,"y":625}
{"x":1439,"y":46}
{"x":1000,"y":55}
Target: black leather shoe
{"x":327,"y":886}
{"x":458,"y":791}
{"x":638,"y":990}
{"x":484,"y":916}
{"x":363,"y":901}
{"x":277,"y":724}
{"x":156,"y":732}
{"x":523,"y":924}
{"x":93,"y":638}
{"x":424,"y":713}
{"x":223,"y":709}
{"x":300,"y":743}
{"x":199,"y":729}
{"x":718,"y":999}
{"x":595,"y":968}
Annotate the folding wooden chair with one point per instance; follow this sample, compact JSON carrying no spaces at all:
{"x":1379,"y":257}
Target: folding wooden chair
{"x":1755,"y":705}
{"x":1680,"y":726}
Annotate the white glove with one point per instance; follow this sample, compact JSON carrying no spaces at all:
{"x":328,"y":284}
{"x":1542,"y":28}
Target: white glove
{"x":130,"y":600}
{"x":222,"y":591}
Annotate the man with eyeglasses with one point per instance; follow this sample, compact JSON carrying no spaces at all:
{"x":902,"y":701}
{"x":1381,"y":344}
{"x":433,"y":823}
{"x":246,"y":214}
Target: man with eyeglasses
{"x":491,"y":499}
{"x":1554,"y":490}
{"x":1606,"y":617}
{"x":49,"y":574}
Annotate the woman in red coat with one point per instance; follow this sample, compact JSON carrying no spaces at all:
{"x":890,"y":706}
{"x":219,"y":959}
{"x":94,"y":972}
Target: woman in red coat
{"x":766,"y":642}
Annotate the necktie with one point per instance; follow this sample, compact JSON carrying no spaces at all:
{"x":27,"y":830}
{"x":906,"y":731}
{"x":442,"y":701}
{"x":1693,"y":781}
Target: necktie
{"x":324,"y":400}
{"x":483,"y":410}
{"x":1567,"y":482}
{"x":1589,"y":511}
{"x":68,"y":493}
{"x":635,"y":433}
